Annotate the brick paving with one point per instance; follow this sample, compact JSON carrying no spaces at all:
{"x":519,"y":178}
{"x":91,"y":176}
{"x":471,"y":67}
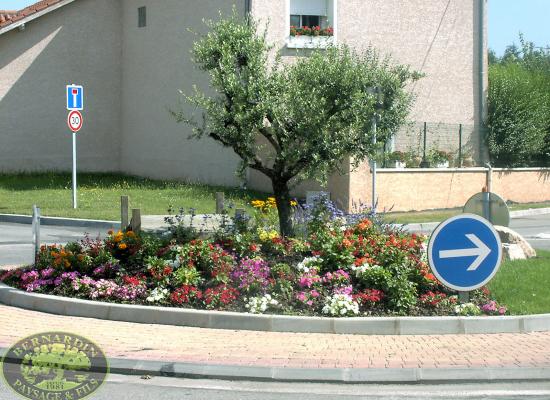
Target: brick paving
{"x":274,"y":349}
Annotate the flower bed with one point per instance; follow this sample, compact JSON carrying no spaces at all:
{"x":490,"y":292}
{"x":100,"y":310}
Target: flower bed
{"x":339,"y":265}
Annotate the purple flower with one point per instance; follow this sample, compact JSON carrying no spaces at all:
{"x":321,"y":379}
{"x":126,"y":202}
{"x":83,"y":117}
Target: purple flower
{"x":251,"y":272}
{"x":46,"y":273}
{"x":30,"y":276}
{"x":308,"y":280}
{"x":347,"y":290}
{"x":490,"y":307}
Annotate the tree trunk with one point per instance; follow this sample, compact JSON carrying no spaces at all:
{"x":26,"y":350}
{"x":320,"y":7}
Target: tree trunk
{"x":282,"y":196}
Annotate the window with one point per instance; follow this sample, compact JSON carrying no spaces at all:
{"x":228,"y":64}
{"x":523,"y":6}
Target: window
{"x":142,"y":17}
{"x":311,"y":23}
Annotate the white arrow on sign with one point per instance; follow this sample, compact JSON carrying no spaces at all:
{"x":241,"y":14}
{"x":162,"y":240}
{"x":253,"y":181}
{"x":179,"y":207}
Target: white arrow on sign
{"x":481,"y":251}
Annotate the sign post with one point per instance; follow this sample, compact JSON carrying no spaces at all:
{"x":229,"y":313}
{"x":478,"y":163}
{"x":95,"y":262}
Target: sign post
{"x":465,"y":252}
{"x":75,"y":102}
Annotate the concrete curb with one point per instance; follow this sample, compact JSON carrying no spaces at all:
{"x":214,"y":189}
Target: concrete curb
{"x":428,"y":227}
{"x":272,"y":323}
{"x":529,"y":212}
{"x":124,"y":366}
{"x":57,"y":221}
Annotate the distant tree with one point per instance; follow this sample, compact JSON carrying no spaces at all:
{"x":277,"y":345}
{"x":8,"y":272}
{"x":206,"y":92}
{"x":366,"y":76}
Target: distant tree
{"x":519,"y":107}
{"x":293,"y":121}
{"x":493,"y":58}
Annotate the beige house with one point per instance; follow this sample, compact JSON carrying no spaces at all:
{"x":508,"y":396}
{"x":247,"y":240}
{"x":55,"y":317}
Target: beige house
{"x":133,"y":57}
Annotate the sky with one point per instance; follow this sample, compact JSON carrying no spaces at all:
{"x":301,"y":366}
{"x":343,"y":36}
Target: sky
{"x":507,"y":18}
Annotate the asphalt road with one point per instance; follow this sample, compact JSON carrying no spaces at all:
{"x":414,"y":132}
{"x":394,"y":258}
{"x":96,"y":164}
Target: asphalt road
{"x":16,"y":239}
{"x":134,"y":388}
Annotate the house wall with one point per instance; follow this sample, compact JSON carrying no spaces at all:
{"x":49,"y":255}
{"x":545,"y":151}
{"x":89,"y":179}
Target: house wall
{"x":79,"y":43}
{"x":424,"y":189}
{"x":157,"y":64}
{"x":436,"y":37}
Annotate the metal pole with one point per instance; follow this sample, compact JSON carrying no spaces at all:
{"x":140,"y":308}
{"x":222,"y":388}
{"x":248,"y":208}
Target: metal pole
{"x":425,"y":163}
{"x":487,"y":194}
{"x":36,"y":231}
{"x":74,"y":170}
{"x":374,"y":164}
{"x":460,"y":147}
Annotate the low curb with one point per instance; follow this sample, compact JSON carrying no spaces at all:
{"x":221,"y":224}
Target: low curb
{"x":125,"y":366}
{"x":529,"y":212}
{"x":57,"y":221}
{"x":272,"y":323}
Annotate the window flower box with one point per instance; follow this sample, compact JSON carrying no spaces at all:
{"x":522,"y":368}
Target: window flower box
{"x":309,"y":42}
{"x":310,"y":37}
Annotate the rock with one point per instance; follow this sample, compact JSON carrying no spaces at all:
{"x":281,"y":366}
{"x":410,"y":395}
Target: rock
{"x":512,"y":252}
{"x":514,"y":245}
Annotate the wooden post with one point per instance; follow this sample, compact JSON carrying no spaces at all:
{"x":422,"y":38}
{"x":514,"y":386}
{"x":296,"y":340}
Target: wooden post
{"x":135,"y":224}
{"x":123,"y":212}
{"x":219,"y":202}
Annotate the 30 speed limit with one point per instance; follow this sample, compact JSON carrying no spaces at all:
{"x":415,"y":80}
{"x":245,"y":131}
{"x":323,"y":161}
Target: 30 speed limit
{"x":74,"y":120}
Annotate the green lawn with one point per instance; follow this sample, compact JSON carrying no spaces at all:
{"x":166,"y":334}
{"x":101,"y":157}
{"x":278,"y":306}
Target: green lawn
{"x":99,"y":195}
{"x":524,"y":285}
{"x":441,"y":215}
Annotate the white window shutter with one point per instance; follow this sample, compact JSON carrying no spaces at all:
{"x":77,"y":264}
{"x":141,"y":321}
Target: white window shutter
{"x":308,"y":7}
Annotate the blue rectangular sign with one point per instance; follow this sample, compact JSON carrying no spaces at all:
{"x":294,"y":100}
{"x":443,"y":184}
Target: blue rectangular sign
{"x":75,"y":97}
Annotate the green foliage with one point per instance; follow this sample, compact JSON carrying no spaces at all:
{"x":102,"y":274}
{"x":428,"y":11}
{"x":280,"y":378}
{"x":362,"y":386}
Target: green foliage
{"x":519,"y":107}
{"x":293,"y":121}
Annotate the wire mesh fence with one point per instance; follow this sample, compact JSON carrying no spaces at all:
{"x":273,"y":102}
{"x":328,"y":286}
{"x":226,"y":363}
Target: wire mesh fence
{"x":428,"y":144}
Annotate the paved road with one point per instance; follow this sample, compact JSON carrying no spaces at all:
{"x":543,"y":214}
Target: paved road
{"x":134,"y":388}
{"x":536,"y":229}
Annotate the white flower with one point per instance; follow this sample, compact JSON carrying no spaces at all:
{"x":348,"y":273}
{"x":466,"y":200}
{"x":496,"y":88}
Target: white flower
{"x":157,"y":294}
{"x":340,"y":304}
{"x":307,"y":263}
{"x":260,"y":304}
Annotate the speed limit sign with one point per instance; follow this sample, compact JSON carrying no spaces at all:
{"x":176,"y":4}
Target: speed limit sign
{"x":74,"y":120}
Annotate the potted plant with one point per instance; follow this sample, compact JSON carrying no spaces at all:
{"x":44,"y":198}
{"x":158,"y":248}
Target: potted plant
{"x":310,"y":37}
{"x":398,"y":159}
{"x":439,"y":158}
{"x":413,"y":160}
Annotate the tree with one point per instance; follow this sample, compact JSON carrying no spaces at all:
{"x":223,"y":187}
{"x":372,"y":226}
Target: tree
{"x":293,"y":121}
{"x":519,"y":107}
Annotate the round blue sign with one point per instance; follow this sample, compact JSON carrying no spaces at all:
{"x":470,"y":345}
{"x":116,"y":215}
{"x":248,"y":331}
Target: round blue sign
{"x":465,"y":252}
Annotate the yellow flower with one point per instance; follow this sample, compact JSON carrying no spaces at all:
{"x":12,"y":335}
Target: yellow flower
{"x":122,"y":246}
{"x":118,"y":237}
{"x":258,"y":203}
{"x":293,"y":203}
{"x":130,"y":234}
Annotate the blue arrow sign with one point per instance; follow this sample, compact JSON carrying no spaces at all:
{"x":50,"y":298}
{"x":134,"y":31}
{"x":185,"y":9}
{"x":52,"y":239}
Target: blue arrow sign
{"x":75,"y":97}
{"x":465,"y":252}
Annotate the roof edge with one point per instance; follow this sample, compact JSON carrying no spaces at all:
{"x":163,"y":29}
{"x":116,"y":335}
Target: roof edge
{"x":38,"y":14}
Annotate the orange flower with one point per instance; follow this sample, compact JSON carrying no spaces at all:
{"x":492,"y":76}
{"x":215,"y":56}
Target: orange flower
{"x":122,"y":246}
{"x":80,"y":257}
{"x":130,"y":234}
{"x":110,"y":231}
{"x":67,"y":263}
{"x":364,"y":224}
{"x":346,"y":243}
